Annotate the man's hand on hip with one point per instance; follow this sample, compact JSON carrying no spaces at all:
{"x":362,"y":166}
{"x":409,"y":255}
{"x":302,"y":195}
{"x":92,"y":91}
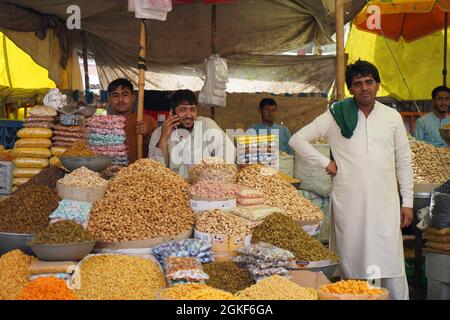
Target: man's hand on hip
{"x":406,"y":217}
{"x":332,"y":168}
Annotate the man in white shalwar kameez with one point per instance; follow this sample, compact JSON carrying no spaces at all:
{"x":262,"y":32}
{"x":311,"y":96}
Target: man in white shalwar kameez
{"x":371,"y":154}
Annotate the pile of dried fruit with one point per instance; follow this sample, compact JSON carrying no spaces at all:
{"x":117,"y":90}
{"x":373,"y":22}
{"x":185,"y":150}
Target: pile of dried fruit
{"x":63,"y":232}
{"x":284,"y":232}
{"x":227,"y":276}
{"x":28,"y":209}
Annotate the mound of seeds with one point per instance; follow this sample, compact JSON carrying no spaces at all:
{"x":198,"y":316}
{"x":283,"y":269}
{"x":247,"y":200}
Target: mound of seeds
{"x":116,"y":276}
{"x":221,"y":222}
{"x":430,"y":164}
{"x":145,"y":200}
{"x":28,"y":210}
{"x":227,"y":276}
{"x":282,"y":231}
{"x":279,"y":193}
{"x":63,"y":232}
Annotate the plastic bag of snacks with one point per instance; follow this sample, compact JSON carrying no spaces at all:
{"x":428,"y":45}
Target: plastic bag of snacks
{"x":32,"y":152}
{"x":42,"y":111}
{"x":40,"y":163}
{"x":266,"y":252}
{"x":184,"y":270}
{"x":184,"y":248}
{"x":213,"y":169}
{"x":57,"y":151}
{"x":33,"y":143}
{"x":77,"y":211}
{"x":20,"y":181}
{"x":34,"y":133}
{"x":25,"y":172}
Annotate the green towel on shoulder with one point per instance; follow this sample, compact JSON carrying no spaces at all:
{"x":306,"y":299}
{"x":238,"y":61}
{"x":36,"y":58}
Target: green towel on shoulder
{"x":345,"y":114}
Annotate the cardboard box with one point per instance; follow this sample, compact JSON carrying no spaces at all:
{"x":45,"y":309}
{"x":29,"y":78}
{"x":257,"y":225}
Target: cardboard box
{"x":425,"y":187}
{"x":309,"y":279}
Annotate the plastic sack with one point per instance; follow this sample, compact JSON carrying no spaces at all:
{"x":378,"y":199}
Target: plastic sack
{"x":438,"y":246}
{"x":54,"y":161}
{"x":440,"y":207}
{"x":438,"y":232}
{"x":266,"y":252}
{"x":34,"y":133}
{"x":45,"y":125}
{"x":186,"y":269}
{"x":20,"y":181}
{"x":39,"y":163}
{"x":53,"y":101}
{"x":216,"y":77}
{"x":255,"y":213}
{"x":258,"y":272}
{"x":250,"y":201}
{"x":184,"y":248}
{"x":314,"y":178}
{"x":33,"y":143}
{"x":250,"y":194}
{"x":25,"y":172}
{"x":32,"y":152}
{"x":77,"y":211}
{"x":43,"y":111}
{"x":57,"y":151}
{"x":213,"y":169}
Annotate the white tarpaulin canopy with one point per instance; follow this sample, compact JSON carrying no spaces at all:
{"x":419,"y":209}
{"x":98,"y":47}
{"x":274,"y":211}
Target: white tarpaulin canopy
{"x":244,"y":27}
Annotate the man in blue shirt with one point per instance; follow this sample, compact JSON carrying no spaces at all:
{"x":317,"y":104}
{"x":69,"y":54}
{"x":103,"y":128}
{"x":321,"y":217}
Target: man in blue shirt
{"x":427,"y":127}
{"x":268,"y":111}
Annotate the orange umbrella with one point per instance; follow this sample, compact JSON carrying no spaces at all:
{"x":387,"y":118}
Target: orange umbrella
{"x":407,"y":19}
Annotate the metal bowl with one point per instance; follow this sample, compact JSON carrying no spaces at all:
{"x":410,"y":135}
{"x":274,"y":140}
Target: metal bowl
{"x":445,"y":134}
{"x":13,"y":241}
{"x":63,"y":252}
{"x":97,"y":164}
{"x":327,"y":267}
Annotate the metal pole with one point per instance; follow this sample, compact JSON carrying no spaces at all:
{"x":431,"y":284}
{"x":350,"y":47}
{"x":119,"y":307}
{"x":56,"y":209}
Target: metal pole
{"x":340,"y":50}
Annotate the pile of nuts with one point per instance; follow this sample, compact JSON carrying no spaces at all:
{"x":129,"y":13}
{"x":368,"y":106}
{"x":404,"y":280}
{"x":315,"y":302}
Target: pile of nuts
{"x":279,"y":194}
{"x":430,"y":164}
{"x":14,"y":273}
{"x":145,"y":200}
{"x":282,"y":231}
{"x":213,"y":169}
{"x":116,"y":276}
{"x":277,"y":288}
{"x":28,"y":209}
{"x":208,"y":189}
{"x":221,"y":222}
{"x":83,"y":178}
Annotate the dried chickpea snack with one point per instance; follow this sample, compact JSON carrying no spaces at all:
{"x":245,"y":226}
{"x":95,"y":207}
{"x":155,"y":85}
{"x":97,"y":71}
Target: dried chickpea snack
{"x":34,"y":133}
{"x":277,"y":288}
{"x":194,"y":291}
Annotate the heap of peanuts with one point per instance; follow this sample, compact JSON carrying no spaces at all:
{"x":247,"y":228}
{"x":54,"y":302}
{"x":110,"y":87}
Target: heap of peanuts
{"x":280,"y":194}
{"x":145,"y":200}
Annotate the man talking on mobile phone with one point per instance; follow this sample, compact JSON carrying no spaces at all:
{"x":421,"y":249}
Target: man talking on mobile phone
{"x":185,"y":138}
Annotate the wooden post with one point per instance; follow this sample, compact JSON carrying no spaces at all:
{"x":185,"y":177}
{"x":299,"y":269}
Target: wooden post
{"x":142,"y":68}
{"x":85,"y":60}
{"x":444,"y":70}
{"x":213,"y":45}
{"x":340,"y":50}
